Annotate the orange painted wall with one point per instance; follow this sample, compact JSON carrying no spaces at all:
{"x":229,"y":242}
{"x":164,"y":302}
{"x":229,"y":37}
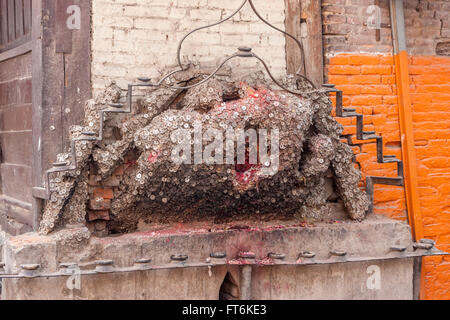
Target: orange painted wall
{"x":368,"y":83}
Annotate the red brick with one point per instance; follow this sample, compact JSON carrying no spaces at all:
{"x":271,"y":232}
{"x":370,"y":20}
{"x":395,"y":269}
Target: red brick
{"x":119,"y":171}
{"x":98,"y":215}
{"x":99,"y":204}
{"x":103,"y":193}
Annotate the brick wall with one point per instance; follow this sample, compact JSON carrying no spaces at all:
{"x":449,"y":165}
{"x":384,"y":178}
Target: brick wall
{"x":362,"y":67}
{"x":430,"y":84}
{"x":368,"y":83}
{"x":427,"y":26}
{"x":133,"y":38}
{"x":345,"y":27}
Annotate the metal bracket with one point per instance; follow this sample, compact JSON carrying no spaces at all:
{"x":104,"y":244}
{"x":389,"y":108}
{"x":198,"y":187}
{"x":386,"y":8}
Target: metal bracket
{"x":423,"y":248}
{"x":370,"y":136}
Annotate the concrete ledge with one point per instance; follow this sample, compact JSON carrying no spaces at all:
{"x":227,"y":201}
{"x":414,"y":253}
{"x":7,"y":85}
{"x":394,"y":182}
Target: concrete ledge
{"x":372,"y":238}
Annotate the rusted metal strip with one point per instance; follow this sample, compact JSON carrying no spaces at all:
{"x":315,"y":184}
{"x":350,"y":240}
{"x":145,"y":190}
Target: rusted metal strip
{"x":141,"y":265}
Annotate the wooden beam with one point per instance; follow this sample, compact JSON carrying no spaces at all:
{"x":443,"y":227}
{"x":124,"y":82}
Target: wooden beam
{"x":37,"y":75}
{"x":304,"y":21}
{"x":17,"y":51}
{"x":77,"y":75}
{"x":311,"y":25}
{"x":61,"y":82}
{"x":293,"y":9}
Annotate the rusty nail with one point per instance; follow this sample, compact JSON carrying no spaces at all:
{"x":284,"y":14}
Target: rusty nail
{"x":116,"y":105}
{"x":276,"y":256}
{"x":104,"y":266}
{"x":307,"y":254}
{"x":88,"y":133}
{"x":247,"y":255}
{"x":398,"y":248}
{"x":104,"y":262}
{"x":179,"y":257}
{"x":30,"y":267}
{"x":144,"y":79}
{"x":143,"y":261}
{"x":338,"y":253}
{"x":61,"y":164}
{"x":218,"y":255}
{"x":423,"y":246}
{"x":245,"y":49}
{"x":428,"y":241}
{"x":68,"y":265}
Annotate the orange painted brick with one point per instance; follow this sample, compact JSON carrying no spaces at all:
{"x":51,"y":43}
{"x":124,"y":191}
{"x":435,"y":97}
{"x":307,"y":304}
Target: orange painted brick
{"x":388,"y":194}
{"x":387,"y":79}
{"x":387,"y":60}
{"x":364,"y":79}
{"x":103,"y":193}
{"x":339,"y":60}
{"x":390,"y":99}
{"x":433,"y":88}
{"x":366,"y":100}
{"x":442,"y":97}
{"x":344,"y":69}
{"x":369,"y":148}
{"x":350,"y":89}
{"x":431,"y":116}
{"x":367,"y":111}
{"x":424,"y":61}
{"x":421,"y":97}
{"x":419,"y":143}
{"x":430,"y":87}
{"x":376,"y":70}
{"x":444,"y":189}
{"x":429,"y":79}
{"x":437,"y":162}
{"x":415,"y":70}
{"x":360,"y":60}
{"x":338,"y":79}
{"x":376,"y":89}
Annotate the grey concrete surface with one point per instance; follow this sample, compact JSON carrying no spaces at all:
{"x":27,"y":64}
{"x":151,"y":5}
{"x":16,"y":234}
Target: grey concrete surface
{"x":375,"y":279}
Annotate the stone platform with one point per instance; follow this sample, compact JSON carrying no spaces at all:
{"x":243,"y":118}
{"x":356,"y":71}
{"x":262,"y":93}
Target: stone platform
{"x":373,"y":259}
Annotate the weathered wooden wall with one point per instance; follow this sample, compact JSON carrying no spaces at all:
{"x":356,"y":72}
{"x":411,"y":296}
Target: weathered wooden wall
{"x":15,"y":23}
{"x":15,"y":116}
{"x":44,"y":82}
{"x":61,"y":69}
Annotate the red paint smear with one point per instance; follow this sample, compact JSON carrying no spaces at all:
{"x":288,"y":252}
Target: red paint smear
{"x":153,"y":157}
